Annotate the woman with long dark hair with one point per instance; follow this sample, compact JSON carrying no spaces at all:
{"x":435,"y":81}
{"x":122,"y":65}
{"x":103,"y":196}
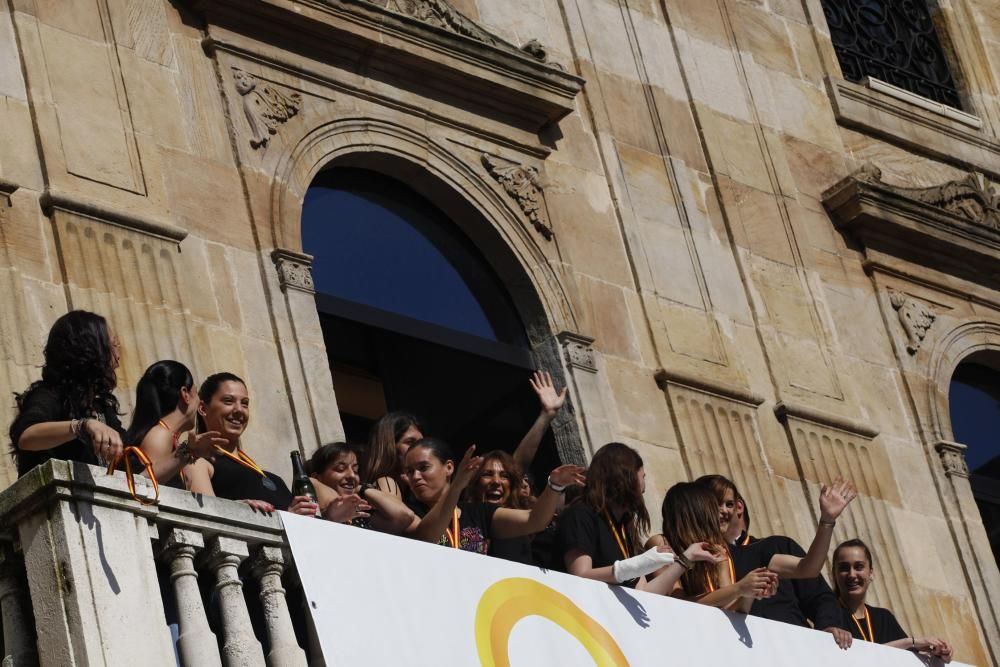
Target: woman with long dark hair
{"x":389,"y":439}
{"x":853,"y":571}
{"x":225,"y":408}
{"x":600,"y":534}
{"x":690,"y":514}
{"x":71,"y":413}
{"x":166,"y":405}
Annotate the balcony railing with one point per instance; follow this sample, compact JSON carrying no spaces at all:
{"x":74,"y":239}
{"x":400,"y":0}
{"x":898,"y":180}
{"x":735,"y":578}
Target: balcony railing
{"x":88,"y":575}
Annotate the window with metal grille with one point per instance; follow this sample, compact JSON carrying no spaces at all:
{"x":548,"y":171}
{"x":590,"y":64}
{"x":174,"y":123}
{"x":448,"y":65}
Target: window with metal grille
{"x":894,"y":41}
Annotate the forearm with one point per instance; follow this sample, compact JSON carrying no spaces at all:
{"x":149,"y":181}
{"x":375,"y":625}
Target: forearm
{"x":811,"y":565}
{"x":528,"y":447}
{"x":167,"y":467}
{"x":389,"y":515}
{"x":664,"y":582}
{"x":515,"y":523}
{"x":602,"y":574}
{"x":726,"y":597}
{"x":45,"y":435}
{"x":436,"y":521}
{"x":905,"y":643}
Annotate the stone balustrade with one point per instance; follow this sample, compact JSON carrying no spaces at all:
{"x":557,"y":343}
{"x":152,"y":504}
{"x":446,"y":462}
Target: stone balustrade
{"x":90,"y":576}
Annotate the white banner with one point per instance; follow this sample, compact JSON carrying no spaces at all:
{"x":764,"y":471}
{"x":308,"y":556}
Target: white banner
{"x":383,"y":600}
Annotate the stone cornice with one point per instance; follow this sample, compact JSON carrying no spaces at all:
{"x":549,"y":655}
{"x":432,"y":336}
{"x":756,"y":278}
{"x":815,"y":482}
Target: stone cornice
{"x":665,"y":377}
{"x":954,"y":226}
{"x":784,"y":410}
{"x":51,"y":200}
{"x":456,"y":63}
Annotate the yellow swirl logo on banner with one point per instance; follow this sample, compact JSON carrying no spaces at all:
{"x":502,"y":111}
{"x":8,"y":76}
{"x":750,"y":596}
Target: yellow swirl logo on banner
{"x":510,"y":600}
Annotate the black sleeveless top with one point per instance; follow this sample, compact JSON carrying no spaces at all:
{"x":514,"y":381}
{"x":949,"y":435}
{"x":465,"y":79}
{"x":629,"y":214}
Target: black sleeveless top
{"x":236,"y":482}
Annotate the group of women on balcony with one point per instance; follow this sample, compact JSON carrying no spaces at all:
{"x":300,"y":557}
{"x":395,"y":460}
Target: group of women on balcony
{"x":409,"y":484}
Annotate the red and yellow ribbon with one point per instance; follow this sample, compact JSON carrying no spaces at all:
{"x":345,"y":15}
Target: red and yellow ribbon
{"x":870,"y":637}
{"x":130,"y":476}
{"x":453,"y":531}
{"x":242,"y":458}
{"x":620,"y":539}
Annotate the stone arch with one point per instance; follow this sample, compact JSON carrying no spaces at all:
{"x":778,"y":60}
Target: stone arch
{"x":459,"y":188}
{"x":970,"y":338}
{"x":462,"y":190}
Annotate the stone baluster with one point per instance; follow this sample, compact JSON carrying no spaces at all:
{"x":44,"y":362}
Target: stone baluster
{"x":240,"y":647}
{"x":196,"y":644}
{"x":268,"y":565}
{"x":18,"y":626}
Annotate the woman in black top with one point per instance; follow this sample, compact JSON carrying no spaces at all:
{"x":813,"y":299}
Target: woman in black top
{"x":166,"y":406}
{"x":853,"y":572}
{"x":599,"y":535}
{"x":71,"y":413}
{"x":437,"y":485}
{"x":225,"y":408}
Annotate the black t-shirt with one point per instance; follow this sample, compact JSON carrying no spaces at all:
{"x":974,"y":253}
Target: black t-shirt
{"x":797,"y":601}
{"x":516,"y":549}
{"x":885,"y":627}
{"x":581,"y":527}
{"x":45,"y":404}
{"x":237,"y":482}
{"x":475,"y":525}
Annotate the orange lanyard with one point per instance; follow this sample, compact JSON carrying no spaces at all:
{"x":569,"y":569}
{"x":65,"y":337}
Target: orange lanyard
{"x":130,"y":477}
{"x":732,"y":575}
{"x":868,"y":622}
{"x":453,"y":531}
{"x":176,"y":439}
{"x":242,"y":458}
{"x":620,"y":539}
{"x":746,"y":540}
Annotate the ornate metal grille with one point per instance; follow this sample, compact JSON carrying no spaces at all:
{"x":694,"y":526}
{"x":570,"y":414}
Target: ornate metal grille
{"x":891,"y":40}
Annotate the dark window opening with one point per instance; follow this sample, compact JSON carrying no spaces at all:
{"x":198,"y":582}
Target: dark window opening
{"x":414,"y":317}
{"x":894,"y":41}
{"x":974,"y":401}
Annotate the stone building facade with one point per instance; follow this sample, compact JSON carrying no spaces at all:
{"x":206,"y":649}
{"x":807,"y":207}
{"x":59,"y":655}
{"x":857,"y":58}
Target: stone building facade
{"x":739,"y":260}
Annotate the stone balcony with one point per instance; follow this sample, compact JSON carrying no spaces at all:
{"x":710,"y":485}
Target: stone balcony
{"x":90,"y":576}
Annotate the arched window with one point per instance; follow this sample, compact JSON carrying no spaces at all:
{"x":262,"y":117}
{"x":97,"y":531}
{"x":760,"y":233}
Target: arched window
{"x":413,"y":315}
{"x":974,"y":400}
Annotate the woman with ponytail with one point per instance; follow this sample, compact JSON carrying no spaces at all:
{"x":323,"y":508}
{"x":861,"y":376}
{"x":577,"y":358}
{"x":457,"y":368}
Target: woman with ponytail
{"x":600,"y":534}
{"x":166,"y":405}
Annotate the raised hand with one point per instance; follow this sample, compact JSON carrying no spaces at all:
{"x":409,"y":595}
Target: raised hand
{"x":467,"y":468}
{"x":347,"y":508}
{"x":834,"y":499}
{"x":758,"y":584}
{"x":106,"y":441}
{"x":706,"y":552}
{"x":202,"y":445}
{"x":568,"y":475}
{"x":551,"y":400}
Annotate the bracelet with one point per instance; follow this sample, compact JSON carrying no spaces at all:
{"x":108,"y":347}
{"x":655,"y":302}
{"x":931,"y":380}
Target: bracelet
{"x":74,"y":427}
{"x":81,"y":430}
{"x":831,"y":524}
{"x":555,"y":487}
{"x":681,"y":560}
{"x":184,"y":453}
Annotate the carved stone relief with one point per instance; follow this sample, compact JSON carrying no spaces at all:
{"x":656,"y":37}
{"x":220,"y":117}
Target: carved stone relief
{"x":524,"y":185}
{"x":974,"y":197}
{"x":539,"y":52}
{"x":264,"y":106}
{"x":7,"y":189}
{"x":578,"y":350}
{"x":952,"y":458}
{"x":915,"y":317}
{"x":440,"y":14}
{"x":294,"y":270}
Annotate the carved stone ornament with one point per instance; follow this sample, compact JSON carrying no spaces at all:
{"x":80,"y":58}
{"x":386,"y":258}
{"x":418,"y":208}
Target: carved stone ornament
{"x":264,"y":106}
{"x":952,"y":458}
{"x":973,"y":197}
{"x":440,"y":14}
{"x":294,"y":270}
{"x":7,"y":190}
{"x":578,"y":350}
{"x":539,"y":52}
{"x":524,"y":185}
{"x":915,"y":317}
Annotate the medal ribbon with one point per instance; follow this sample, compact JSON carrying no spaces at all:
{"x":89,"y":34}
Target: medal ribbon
{"x":453,"y":531}
{"x":614,"y":531}
{"x":130,"y":477}
{"x":868,"y":621}
{"x":177,"y":439}
{"x":242,"y":458}
{"x":732,"y":575}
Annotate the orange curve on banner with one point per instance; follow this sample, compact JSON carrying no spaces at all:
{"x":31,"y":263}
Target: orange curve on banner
{"x":510,"y":600}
